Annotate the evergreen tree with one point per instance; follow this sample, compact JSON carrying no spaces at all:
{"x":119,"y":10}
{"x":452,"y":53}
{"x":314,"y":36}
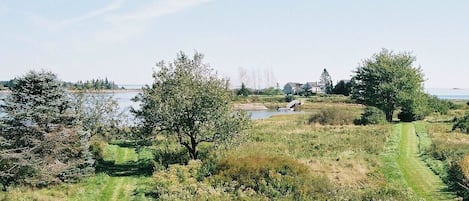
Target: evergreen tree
{"x":39,"y":136}
{"x":326,"y":82}
{"x":243,"y":91}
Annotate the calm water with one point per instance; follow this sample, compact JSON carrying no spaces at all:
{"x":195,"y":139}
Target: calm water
{"x":124,"y":100}
{"x":450,"y":94}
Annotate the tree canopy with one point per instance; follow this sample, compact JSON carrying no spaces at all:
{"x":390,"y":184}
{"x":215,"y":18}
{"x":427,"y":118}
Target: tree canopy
{"x":343,"y":87}
{"x":388,"y":81}
{"x":189,"y":101}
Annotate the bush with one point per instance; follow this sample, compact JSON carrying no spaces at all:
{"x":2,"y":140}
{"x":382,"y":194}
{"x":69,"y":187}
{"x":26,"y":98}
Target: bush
{"x":272,"y":176}
{"x":371,"y":115}
{"x":408,"y":116}
{"x":178,"y":182}
{"x":170,"y":154}
{"x":289,"y":98}
{"x":462,"y":124}
{"x":331,"y":116}
{"x":440,"y":106}
{"x":458,"y":177}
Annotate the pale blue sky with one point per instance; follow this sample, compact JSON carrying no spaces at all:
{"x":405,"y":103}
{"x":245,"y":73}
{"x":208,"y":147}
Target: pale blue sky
{"x":294,"y":40}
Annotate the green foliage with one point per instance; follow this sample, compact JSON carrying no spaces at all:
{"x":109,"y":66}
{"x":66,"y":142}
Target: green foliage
{"x":166,"y":153}
{"x":342,"y":87}
{"x":189,"y":101}
{"x":179,"y":182}
{"x":7,"y":84}
{"x":326,"y":82}
{"x":458,"y":177}
{"x":99,"y":114}
{"x":243,"y":91}
{"x":94,"y":84}
{"x":289,"y":98}
{"x":371,"y":115}
{"x":331,"y":116}
{"x":275,"y":177}
{"x":388,"y":81}
{"x":41,"y":143}
{"x":462,"y":124}
{"x":271,"y":91}
{"x":415,"y":108}
{"x":440,"y":106}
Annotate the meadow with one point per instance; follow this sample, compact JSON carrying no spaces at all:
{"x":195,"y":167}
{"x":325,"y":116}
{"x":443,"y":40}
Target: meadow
{"x":284,"y":157}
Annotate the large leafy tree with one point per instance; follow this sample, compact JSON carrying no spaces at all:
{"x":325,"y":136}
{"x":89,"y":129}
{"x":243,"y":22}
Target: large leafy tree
{"x":38,"y":133}
{"x":190,"y":102}
{"x":388,"y":81}
{"x":326,"y":82}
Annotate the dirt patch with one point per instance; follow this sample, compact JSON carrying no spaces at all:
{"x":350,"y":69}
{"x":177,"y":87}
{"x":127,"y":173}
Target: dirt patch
{"x":344,"y":172}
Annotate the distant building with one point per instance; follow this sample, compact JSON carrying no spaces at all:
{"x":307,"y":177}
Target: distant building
{"x":313,"y":87}
{"x":292,"y":88}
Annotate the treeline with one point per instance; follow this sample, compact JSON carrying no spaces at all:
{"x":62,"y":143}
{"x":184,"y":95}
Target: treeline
{"x":94,"y":84}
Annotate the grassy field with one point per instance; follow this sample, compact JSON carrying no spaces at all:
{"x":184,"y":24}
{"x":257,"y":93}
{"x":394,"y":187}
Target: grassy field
{"x":99,"y":187}
{"x":342,"y":162}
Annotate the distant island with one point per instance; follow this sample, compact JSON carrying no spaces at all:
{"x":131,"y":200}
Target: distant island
{"x":94,"y":84}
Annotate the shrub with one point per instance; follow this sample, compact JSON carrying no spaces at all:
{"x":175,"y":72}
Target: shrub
{"x":178,"y":182}
{"x":440,"y":106}
{"x":289,"y":98}
{"x":272,"y":176}
{"x":462,"y":124}
{"x":458,"y":177}
{"x":371,"y":115}
{"x":170,"y":154}
{"x":331,"y":116}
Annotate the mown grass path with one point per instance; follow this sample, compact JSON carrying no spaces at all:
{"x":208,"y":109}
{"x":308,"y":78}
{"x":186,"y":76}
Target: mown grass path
{"x":418,"y":176}
{"x":119,"y":187}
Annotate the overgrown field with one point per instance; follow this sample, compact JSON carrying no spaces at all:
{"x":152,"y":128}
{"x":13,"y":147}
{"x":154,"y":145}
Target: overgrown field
{"x":280,"y":158}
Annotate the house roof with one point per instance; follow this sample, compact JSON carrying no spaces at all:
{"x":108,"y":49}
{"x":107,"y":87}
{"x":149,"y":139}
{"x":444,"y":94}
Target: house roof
{"x":294,"y":84}
{"x":311,"y":84}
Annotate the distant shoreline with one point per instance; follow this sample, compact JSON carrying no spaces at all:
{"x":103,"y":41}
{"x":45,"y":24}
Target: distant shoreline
{"x":92,"y":91}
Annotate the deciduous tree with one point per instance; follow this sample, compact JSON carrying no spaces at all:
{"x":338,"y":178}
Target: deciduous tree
{"x":388,"y":81}
{"x":189,"y":101}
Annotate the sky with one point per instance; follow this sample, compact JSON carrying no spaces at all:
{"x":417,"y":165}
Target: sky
{"x":272,"y":40}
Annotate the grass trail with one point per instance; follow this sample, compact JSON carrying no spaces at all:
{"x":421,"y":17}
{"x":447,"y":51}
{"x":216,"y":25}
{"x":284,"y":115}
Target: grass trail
{"x":418,"y":176}
{"x":119,"y":188}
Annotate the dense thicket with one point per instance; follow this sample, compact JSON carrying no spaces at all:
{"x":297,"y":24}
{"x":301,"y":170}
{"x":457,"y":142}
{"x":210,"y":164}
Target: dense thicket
{"x":343,"y":87}
{"x":40,"y":142}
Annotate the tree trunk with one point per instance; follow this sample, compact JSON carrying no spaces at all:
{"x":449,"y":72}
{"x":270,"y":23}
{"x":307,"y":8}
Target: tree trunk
{"x":193,"y":151}
{"x":389,"y":115}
